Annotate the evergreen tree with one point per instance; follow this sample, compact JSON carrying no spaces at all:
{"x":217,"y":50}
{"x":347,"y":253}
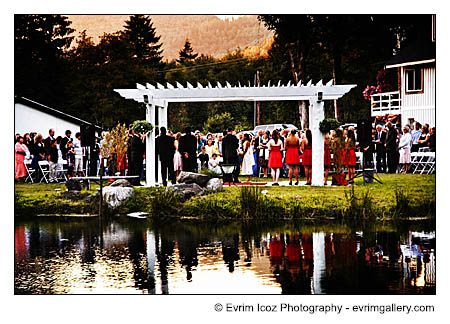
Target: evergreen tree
{"x":40,"y":43}
{"x":187,"y":53}
{"x":142,"y":40}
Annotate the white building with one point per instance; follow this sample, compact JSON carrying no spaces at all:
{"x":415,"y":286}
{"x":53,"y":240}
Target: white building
{"x":415,"y":98}
{"x":30,"y":116}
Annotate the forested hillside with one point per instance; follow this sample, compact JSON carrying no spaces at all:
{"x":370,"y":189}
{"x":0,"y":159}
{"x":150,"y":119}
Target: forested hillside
{"x":208,"y":34}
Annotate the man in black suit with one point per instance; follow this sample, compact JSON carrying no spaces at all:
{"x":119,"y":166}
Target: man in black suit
{"x":187,"y":148}
{"x":391,"y":148}
{"x":136,"y":150}
{"x":165,"y":148}
{"x":63,"y":144}
{"x":380,"y":139}
{"x":230,"y":145}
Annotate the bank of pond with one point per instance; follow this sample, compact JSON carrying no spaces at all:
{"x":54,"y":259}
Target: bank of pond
{"x":398,"y":198}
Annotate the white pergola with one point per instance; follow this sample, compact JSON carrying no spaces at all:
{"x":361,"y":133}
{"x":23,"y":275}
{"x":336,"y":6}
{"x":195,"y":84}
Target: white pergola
{"x":158,"y":98}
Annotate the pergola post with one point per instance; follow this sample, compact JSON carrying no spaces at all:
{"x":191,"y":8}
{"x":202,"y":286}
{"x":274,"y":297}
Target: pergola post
{"x":162,"y":122}
{"x":317,"y":114}
{"x":150,"y":176}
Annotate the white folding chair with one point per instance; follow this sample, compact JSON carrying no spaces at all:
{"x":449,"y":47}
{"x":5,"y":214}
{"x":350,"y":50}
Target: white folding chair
{"x":422,"y":162}
{"x":428,"y":166}
{"x":45,"y":170}
{"x":61,"y":171}
{"x":30,"y":172}
{"x":415,"y":158}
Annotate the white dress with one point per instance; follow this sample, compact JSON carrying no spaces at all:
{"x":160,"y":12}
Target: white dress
{"x":177,"y":160}
{"x":248,"y":162}
{"x":213,"y":165}
{"x":405,"y":149}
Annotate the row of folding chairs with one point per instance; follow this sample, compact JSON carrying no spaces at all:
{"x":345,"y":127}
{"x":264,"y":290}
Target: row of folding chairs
{"x":44,"y":171}
{"x":423,"y":163}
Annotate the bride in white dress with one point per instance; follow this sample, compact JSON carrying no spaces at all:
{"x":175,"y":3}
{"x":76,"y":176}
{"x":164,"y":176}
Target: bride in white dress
{"x":247,"y":160}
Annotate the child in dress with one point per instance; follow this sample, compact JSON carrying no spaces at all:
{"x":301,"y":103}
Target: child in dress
{"x":213,"y":164}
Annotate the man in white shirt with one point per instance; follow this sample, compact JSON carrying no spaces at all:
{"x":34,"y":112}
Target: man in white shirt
{"x":78,"y":154}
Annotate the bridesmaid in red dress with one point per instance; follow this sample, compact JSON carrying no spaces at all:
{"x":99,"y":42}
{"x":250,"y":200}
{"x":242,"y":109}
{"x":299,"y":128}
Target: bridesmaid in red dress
{"x":350,"y":156}
{"x":292,"y":155}
{"x":306,"y":147}
{"x":275,"y":159}
{"x":326,"y":157}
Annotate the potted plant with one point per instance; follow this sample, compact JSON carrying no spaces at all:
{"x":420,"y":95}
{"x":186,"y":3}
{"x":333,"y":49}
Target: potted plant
{"x":328,"y":124}
{"x":142,"y":127}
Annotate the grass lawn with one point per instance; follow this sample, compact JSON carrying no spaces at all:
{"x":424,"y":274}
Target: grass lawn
{"x":415,"y":191}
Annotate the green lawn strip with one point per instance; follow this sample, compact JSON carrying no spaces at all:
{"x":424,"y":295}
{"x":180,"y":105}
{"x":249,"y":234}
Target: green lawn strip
{"x":413,"y":191}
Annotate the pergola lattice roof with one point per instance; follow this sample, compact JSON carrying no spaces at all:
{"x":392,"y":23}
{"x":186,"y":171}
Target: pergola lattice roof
{"x":158,"y":98}
{"x":228,"y":92}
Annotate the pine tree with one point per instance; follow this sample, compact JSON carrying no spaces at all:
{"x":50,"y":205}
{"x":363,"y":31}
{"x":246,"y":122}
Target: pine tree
{"x":40,"y":45}
{"x":187,"y":53}
{"x":142,"y":40}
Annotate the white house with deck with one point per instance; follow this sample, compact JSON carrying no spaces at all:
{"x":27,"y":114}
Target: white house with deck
{"x":415,"y":98}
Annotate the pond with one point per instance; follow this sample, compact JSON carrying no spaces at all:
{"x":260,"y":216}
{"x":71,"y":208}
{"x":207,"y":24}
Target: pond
{"x":122,"y":255}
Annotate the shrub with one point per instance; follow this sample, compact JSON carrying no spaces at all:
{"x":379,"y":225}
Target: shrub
{"x":328,"y":124}
{"x":165,"y":203}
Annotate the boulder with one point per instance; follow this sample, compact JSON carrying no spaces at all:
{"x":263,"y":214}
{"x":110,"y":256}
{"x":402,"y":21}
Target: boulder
{"x":186,"y":190}
{"x":191,"y":177}
{"x":121,"y":183}
{"x":73,"y":185}
{"x":214,"y":184}
{"x":115,"y":196}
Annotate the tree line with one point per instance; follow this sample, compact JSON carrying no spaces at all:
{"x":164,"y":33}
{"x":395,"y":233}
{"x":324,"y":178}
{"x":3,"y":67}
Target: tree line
{"x":80,"y":79}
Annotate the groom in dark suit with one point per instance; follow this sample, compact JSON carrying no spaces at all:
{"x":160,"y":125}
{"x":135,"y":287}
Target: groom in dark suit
{"x":165,"y":147}
{"x":188,"y":149}
{"x":230,"y":144}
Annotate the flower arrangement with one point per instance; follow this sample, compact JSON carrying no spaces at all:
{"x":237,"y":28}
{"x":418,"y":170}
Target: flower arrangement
{"x":382,"y":85}
{"x":370,"y":90}
{"x":328,"y":124}
{"x":142,"y":127}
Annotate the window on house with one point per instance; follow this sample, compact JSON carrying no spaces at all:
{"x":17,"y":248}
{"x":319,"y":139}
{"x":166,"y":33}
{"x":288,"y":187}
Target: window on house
{"x":413,"y":80}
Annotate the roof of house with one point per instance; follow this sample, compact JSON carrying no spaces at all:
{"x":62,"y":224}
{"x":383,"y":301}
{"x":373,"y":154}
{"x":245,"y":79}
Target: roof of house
{"x":417,"y":52}
{"x":52,"y":111}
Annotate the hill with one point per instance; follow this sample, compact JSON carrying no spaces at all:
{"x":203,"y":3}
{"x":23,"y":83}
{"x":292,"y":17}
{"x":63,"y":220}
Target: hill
{"x":208,"y":34}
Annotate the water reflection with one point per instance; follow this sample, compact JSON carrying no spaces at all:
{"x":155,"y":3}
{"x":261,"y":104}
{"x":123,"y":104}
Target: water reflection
{"x":136,"y":256}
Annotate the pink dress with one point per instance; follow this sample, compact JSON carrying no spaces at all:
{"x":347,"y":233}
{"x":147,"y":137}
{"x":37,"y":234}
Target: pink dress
{"x":177,"y":161}
{"x":21,"y":170}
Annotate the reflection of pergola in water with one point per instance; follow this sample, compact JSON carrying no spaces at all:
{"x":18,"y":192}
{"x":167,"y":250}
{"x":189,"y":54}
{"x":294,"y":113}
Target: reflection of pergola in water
{"x":160,"y":96}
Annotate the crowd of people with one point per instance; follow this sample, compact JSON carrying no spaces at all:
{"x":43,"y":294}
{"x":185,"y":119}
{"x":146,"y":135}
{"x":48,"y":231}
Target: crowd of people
{"x":31,"y":148}
{"x":286,"y":153}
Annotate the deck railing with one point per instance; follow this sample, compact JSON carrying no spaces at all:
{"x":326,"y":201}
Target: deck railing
{"x":386,"y":103}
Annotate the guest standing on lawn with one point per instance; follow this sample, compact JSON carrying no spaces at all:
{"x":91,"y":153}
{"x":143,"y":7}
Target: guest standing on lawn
{"x":404,"y":147}
{"x":177,"y":160}
{"x":350,"y":155}
{"x":38,"y":152}
{"x":391,"y":147}
{"x":20,"y":153}
{"x":326,"y":157}
{"x":275,"y":159}
{"x":292,"y":155}
{"x":306,"y":147}
{"x":264,"y":153}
